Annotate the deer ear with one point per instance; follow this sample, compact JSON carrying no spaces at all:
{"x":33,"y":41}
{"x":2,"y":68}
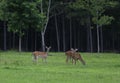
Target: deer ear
{"x":76,"y":49}
{"x":49,"y":46}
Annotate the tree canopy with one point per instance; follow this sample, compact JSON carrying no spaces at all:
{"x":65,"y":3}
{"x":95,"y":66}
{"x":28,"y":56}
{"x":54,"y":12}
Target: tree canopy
{"x":79,"y":23}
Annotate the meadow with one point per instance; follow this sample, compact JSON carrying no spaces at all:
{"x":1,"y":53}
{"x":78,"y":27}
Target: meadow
{"x":18,"y":67}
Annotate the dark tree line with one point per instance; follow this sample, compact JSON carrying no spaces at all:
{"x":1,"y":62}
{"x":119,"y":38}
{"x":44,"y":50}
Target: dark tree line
{"x":89,"y":25}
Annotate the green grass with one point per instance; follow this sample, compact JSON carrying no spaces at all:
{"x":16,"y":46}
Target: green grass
{"x":18,"y":68}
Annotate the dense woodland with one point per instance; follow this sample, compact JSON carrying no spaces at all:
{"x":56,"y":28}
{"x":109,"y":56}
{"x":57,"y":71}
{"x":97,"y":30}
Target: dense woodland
{"x":89,"y":25}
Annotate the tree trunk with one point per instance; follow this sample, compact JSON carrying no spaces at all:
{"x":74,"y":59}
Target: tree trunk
{"x":58,"y":41}
{"x":113,"y":41}
{"x":45,"y":26}
{"x":74,"y":36}
{"x":63,"y":34}
{"x":5,"y":42}
{"x":10,"y":40}
{"x":13,"y":43}
{"x":70,"y":33}
{"x":35,"y":41}
{"x":101,"y":39}
{"x":26,"y":45}
{"x":91,"y":43}
{"x":20,"y":39}
{"x":98,"y":39}
{"x":43,"y":41}
{"x":89,"y":36}
{"x":79,"y":38}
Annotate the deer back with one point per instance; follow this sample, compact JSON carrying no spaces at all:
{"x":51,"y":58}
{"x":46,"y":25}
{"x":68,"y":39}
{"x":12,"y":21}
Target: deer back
{"x":37,"y":53}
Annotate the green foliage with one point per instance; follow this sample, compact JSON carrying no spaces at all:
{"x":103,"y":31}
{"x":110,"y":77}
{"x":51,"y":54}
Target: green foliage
{"x":93,"y":8}
{"x":3,"y":10}
{"x":21,"y":15}
{"x":43,"y":10}
{"x":97,"y":10}
{"x":105,"y":20}
{"x":41,"y":22}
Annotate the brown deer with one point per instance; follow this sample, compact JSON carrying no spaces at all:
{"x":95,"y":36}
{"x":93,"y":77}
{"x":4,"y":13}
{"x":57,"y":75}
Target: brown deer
{"x":69,"y":54}
{"x":43,"y":55}
{"x":76,"y":56}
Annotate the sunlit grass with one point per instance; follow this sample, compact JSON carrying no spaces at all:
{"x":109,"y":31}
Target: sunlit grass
{"x":18,"y":67}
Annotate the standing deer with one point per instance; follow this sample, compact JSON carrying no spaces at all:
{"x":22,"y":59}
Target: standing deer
{"x":69,"y":54}
{"x":76,"y":56}
{"x":43,"y":55}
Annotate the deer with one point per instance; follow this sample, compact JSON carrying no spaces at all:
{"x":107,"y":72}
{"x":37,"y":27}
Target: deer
{"x":69,"y":54}
{"x":76,"y":56}
{"x":43,"y":55}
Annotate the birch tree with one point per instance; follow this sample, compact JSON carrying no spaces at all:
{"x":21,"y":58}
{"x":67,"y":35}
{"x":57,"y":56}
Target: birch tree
{"x":44,"y":7}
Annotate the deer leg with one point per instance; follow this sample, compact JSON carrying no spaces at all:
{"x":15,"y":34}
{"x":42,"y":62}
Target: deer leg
{"x":35,"y":58}
{"x":75,"y":61}
{"x":67,"y":59}
{"x":72,"y":60}
{"x":45,"y":60}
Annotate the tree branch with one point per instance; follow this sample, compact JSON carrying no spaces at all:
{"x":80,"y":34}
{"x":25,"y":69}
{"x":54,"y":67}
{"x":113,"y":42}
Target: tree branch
{"x":48,"y":13}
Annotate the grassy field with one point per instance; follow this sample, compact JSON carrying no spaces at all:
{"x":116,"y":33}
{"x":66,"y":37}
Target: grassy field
{"x":18,"y":68}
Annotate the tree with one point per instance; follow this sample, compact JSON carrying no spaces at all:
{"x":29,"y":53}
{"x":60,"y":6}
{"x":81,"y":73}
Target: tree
{"x":81,"y":9}
{"x":44,"y":8}
{"x":3,"y":17}
{"x":21,"y":15}
{"x":94,"y":9}
{"x":97,"y":9}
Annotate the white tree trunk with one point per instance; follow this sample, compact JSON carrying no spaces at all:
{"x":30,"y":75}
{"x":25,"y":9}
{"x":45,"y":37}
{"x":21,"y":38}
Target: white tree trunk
{"x":43,"y":41}
{"x":45,"y":26}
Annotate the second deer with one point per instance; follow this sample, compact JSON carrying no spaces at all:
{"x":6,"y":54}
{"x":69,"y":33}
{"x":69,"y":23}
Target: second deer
{"x":69,"y":54}
{"x":76,"y":56}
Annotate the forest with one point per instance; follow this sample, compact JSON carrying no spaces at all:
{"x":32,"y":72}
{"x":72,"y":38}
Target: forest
{"x":88,"y":25}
